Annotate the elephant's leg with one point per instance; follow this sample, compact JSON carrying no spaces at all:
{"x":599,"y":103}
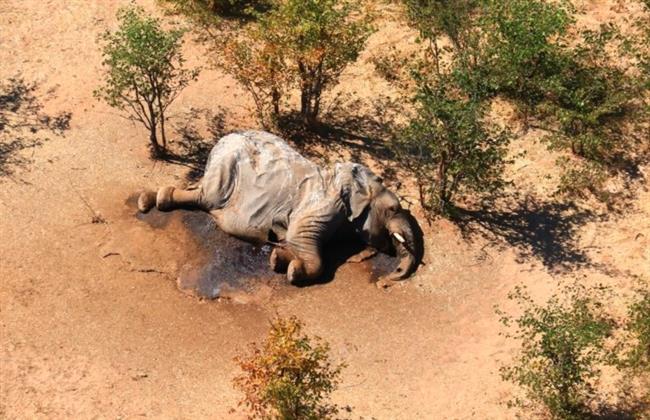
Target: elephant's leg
{"x":305,"y":267}
{"x":280,"y":259}
{"x":305,"y":240}
{"x":170,"y":198}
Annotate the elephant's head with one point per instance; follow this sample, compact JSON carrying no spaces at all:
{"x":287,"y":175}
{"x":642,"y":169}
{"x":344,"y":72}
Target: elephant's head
{"x":379,"y":217}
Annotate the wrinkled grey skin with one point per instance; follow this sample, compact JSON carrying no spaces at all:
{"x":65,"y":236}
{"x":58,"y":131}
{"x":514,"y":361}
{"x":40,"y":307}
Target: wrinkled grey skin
{"x":259,"y":189}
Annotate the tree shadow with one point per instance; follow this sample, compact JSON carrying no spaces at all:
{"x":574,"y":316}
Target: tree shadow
{"x":546,"y":231}
{"x":192,"y":147}
{"x":346,"y":133}
{"x":21,"y":120}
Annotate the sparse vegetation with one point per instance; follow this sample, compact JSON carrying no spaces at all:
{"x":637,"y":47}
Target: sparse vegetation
{"x":207,"y":11}
{"x":451,"y":147}
{"x":636,"y":355}
{"x":144,"y":72}
{"x":526,"y":52}
{"x":563,"y":346}
{"x":289,"y":376}
{"x":297,"y":44}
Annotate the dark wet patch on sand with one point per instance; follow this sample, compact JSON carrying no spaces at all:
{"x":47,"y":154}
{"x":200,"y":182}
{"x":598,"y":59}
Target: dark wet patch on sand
{"x":222,"y":266}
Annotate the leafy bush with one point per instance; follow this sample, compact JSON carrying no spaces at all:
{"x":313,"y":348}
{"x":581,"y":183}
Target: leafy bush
{"x":522,"y":48}
{"x":450,"y":147}
{"x":442,"y":17}
{"x":144,"y":71}
{"x":562,"y":346}
{"x":590,"y":100}
{"x":210,"y":11}
{"x":637,"y":356}
{"x":256,"y":60}
{"x":290,"y":376}
{"x":299,"y":43}
{"x":525,"y":51}
{"x":579,"y":179}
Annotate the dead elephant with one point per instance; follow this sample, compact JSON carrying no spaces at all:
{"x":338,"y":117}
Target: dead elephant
{"x":259,"y":189}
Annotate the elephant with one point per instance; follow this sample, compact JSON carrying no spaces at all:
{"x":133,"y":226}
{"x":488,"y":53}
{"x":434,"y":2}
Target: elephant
{"x":259,"y":189}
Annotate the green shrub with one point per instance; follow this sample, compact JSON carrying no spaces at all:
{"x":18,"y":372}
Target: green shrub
{"x":290,"y":376}
{"x":590,"y":100}
{"x":299,"y":43}
{"x":522,"y":49}
{"x":434,"y":18}
{"x":450,"y":147}
{"x":562,"y":347}
{"x":210,"y":11}
{"x":578,"y":179}
{"x":525,"y":51}
{"x":634,"y":359}
{"x":637,"y":326}
{"x":144,"y":71}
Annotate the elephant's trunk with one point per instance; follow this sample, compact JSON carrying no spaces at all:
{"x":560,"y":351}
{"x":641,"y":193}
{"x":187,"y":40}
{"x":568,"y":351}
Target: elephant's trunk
{"x":406,"y":236}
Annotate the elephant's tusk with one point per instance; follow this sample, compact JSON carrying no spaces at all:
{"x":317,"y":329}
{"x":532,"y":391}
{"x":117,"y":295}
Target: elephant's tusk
{"x":399,"y":237}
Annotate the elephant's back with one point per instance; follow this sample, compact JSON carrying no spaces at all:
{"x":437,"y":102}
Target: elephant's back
{"x":255,"y":179}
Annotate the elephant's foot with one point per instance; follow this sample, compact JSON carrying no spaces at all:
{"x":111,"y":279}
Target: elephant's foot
{"x":296,"y":271}
{"x":146,"y":201}
{"x":165,"y":199}
{"x":304,"y":269}
{"x":279,"y":260}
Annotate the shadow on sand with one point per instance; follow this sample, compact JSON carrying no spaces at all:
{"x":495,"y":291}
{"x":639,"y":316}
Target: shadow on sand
{"x":21,"y":120}
{"x":541,"y":230}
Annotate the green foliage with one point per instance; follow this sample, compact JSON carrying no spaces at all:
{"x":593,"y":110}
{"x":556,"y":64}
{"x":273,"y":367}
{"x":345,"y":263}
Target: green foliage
{"x":522,"y":46}
{"x":637,"y":356}
{"x":304,"y":44}
{"x":525,"y":51}
{"x":290,"y":376}
{"x":256,"y":60}
{"x":562,"y":346}
{"x":442,"y":17}
{"x":144,"y":71}
{"x":590,"y":101}
{"x":450,"y":147}
{"x":579,"y":179}
{"x":209,"y":11}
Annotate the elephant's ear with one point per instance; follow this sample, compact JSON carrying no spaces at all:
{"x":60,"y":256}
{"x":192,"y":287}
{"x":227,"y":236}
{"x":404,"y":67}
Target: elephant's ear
{"x":360,"y":191}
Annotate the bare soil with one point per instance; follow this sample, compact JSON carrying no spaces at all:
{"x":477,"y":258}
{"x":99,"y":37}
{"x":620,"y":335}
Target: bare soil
{"x":101,"y":314}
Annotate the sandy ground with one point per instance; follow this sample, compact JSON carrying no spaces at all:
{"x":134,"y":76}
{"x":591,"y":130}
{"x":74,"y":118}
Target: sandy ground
{"x":92,"y":324}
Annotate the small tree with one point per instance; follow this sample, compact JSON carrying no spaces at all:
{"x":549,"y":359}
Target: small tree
{"x":522,"y":49}
{"x":290,"y":376}
{"x":257,"y":60}
{"x":449,"y":146}
{"x":562,"y":346}
{"x":145,"y":71}
{"x":303,"y":42}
